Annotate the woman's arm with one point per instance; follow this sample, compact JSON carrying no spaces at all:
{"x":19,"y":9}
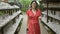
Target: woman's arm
{"x":40,"y":17}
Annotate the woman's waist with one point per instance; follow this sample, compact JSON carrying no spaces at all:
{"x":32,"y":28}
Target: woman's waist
{"x":33,"y":21}
{"x":33,"y":18}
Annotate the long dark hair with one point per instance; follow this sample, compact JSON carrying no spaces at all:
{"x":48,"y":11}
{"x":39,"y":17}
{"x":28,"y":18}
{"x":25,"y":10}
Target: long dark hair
{"x":36,"y":4}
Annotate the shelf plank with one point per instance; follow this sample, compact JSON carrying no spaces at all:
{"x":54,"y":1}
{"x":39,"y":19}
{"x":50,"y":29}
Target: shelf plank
{"x":9,"y":18}
{"x":52,"y":8}
{"x":6,"y":6}
{"x":54,"y":26}
{"x":8,"y":9}
{"x":12,"y":29}
{"x":51,"y":1}
{"x":53,"y":16}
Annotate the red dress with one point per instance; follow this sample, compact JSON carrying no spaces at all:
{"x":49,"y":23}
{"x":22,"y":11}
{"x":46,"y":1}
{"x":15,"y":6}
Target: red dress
{"x":33,"y":22}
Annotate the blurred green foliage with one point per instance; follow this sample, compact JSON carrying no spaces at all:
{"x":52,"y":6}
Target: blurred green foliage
{"x":25,"y":4}
{"x":1,"y":13}
{"x":41,"y":6}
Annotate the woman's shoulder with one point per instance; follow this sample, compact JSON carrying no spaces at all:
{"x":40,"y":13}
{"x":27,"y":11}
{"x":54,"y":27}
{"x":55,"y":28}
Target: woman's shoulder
{"x":29,"y":10}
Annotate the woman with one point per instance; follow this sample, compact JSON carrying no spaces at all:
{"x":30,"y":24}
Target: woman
{"x":33,"y":19}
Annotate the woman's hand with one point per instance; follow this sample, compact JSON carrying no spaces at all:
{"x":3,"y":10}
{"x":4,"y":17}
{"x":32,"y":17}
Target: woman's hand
{"x":40,"y":17}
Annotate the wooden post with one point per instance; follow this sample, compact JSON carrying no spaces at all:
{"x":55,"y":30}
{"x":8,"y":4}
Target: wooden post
{"x":47,"y":12}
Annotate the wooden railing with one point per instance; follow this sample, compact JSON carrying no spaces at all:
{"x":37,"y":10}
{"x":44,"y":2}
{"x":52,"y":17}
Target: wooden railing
{"x":51,"y":16}
{"x":10,"y":20}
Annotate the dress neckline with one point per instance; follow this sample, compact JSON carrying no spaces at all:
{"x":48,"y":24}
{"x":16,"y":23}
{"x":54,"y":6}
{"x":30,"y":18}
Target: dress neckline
{"x":33,"y":13}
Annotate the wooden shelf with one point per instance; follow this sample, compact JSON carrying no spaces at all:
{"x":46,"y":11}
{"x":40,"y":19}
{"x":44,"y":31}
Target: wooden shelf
{"x":54,"y":26}
{"x":53,"y":16}
{"x":52,"y":8}
{"x":51,"y":1}
{"x":12,"y":29}
{"x":9,"y":18}
{"x":6,"y":6}
{"x":9,"y":8}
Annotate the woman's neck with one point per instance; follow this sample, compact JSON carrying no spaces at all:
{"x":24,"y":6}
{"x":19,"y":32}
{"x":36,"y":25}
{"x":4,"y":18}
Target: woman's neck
{"x":33,"y":9}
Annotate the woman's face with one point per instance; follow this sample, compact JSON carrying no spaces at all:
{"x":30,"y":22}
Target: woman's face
{"x":33,"y":5}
